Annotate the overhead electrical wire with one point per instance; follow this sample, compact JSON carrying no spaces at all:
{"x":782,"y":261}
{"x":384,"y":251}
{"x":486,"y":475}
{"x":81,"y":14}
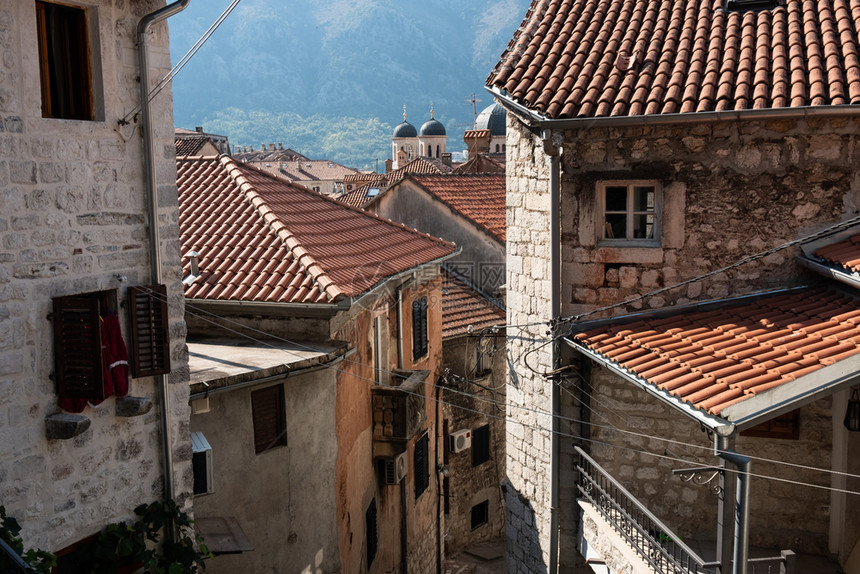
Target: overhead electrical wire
{"x":181,"y":63}
{"x":521,"y":408}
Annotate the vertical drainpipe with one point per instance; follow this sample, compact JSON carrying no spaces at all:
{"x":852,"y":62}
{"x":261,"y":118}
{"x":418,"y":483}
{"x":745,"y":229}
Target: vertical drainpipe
{"x":742,"y":504}
{"x":150,"y":182}
{"x":553,"y":150}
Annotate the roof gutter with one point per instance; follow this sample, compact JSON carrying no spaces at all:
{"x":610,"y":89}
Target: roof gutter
{"x":329,"y":363}
{"x":539,"y":120}
{"x":385,"y":281}
{"x":719,"y":425}
{"x":270,"y":308}
{"x":150,"y":182}
{"x":851,"y":279}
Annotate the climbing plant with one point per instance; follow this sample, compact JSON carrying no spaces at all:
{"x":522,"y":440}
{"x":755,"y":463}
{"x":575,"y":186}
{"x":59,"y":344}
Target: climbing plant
{"x":37,"y":561}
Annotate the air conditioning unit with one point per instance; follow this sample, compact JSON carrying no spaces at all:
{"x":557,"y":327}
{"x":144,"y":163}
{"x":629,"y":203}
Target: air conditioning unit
{"x":395,"y":468}
{"x":460,"y":440}
{"x":201,"y":464}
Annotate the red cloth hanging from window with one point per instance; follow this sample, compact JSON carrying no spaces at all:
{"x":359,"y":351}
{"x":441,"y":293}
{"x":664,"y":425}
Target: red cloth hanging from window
{"x":115,"y":357}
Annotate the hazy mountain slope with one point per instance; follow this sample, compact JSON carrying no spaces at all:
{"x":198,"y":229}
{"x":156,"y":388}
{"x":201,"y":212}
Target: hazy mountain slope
{"x":332,"y":76}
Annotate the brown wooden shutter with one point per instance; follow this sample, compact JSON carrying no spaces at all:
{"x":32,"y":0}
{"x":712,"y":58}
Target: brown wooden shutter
{"x":150,"y":340}
{"x":78,"y":348}
{"x":270,"y":423}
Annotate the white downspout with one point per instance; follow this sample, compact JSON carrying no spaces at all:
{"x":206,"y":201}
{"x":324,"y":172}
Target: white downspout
{"x":149,"y":175}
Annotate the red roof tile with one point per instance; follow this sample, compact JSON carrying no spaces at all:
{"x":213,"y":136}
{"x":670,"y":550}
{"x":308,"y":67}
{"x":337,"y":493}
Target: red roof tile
{"x":479,"y":197}
{"x":262,"y":239}
{"x":463,"y":306}
{"x":845,"y":254}
{"x":190,"y":145}
{"x":714,"y":359}
{"x":602,"y":58}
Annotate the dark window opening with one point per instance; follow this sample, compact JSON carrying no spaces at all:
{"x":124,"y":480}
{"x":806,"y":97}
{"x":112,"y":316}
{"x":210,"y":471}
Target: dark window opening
{"x":744,"y":5}
{"x":480,"y":514}
{"x":419,"y":328}
{"x":480,"y":445}
{"x":64,"y":61}
{"x":270,"y":422}
{"x":785,"y":426}
{"x":421,"y":464}
{"x":371,"y":532}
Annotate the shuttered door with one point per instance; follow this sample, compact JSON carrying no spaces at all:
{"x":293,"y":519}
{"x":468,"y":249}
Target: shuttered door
{"x":270,"y":424}
{"x":150,"y":341}
{"x":78,"y":352}
{"x":421,"y":464}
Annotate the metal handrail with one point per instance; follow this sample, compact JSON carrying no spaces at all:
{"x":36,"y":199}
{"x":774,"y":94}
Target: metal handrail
{"x":653,"y":541}
{"x":13,"y":556}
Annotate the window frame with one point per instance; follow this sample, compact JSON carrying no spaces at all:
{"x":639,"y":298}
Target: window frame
{"x":630,"y":212}
{"x":482,"y":509}
{"x":421,"y":465}
{"x":481,"y":451}
{"x":266,"y":439}
{"x":371,"y":531}
{"x":420,"y":335}
{"x":70,"y":89}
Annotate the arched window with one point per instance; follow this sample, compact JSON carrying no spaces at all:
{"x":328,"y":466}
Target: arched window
{"x":429,"y":151}
{"x":503,"y":147}
{"x":497,"y":148}
{"x":437,"y":151}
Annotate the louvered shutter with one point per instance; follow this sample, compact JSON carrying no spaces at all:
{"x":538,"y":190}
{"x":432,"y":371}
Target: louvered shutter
{"x":78,"y":348}
{"x":419,"y":328}
{"x":421,"y":465}
{"x":371,"y":531}
{"x":150,"y":340}
{"x":270,"y":425}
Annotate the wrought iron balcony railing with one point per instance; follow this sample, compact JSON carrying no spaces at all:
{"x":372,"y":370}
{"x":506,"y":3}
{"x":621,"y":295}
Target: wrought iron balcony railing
{"x":651,"y":539}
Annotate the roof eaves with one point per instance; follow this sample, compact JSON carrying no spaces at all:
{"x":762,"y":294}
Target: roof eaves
{"x":802,"y":391}
{"x":718,"y":424}
{"x":538,"y":120}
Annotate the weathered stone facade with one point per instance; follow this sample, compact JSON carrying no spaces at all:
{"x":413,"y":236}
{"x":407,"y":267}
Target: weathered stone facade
{"x":470,"y":400}
{"x":73,"y":220}
{"x":529,"y":396}
{"x":730,"y":190}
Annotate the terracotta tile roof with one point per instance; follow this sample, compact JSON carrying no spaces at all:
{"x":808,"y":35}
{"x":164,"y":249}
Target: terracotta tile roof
{"x":716,"y":357}
{"x":359,"y":197}
{"x":306,"y":170}
{"x":190,"y":145}
{"x":479,"y":197}
{"x":260,"y":238}
{"x":844,"y":254}
{"x":477,"y":134}
{"x":269,"y":154}
{"x":462,"y":306}
{"x":483,"y":163}
{"x":601,"y":58}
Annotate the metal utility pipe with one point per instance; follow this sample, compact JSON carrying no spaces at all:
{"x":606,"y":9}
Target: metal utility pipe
{"x":149,"y":175}
{"x":742,"y":505}
{"x":552,"y":150}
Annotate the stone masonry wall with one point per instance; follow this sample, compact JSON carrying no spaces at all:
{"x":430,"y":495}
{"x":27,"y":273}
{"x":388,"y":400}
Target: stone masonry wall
{"x":729,"y":190}
{"x":529,"y":396}
{"x":72,"y":219}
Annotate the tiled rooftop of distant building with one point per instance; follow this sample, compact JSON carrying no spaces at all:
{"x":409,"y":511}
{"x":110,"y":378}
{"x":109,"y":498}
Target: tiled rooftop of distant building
{"x":259,"y":238}
{"x":479,"y":197}
{"x":463,"y":306}
{"x":844,"y":254}
{"x":602,"y":58}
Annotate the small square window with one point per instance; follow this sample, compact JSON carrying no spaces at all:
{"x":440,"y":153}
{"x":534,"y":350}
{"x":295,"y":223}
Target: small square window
{"x":65,"y":67}
{"x":270,"y":422}
{"x":480,"y":445}
{"x":630,"y":211}
{"x":480,"y":514}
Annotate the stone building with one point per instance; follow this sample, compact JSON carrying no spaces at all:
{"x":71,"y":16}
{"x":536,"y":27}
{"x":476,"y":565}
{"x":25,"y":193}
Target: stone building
{"x":669,"y":166}
{"x":88,"y":229}
{"x":468,"y":209}
{"x":473,"y":406}
{"x":408,"y":144}
{"x":331,"y":461}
